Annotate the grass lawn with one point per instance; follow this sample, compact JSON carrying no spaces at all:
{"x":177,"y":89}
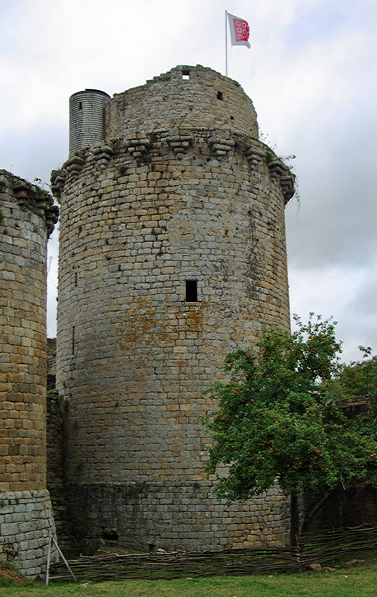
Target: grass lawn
{"x":342,"y":580}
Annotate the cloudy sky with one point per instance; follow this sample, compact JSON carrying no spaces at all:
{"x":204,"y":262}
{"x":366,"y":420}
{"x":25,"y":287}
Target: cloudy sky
{"x":311,"y":73}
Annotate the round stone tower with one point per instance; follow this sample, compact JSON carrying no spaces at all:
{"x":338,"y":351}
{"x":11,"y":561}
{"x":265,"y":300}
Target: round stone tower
{"x":27,"y":217}
{"x":172,"y":254}
{"x":86,"y":117}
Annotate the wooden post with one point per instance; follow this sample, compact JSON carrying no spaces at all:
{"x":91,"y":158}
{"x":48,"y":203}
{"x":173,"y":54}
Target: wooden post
{"x":48,"y":559}
{"x":52,"y":540}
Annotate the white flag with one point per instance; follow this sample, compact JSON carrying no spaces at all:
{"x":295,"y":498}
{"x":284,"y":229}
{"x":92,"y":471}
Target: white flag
{"x":239,"y":31}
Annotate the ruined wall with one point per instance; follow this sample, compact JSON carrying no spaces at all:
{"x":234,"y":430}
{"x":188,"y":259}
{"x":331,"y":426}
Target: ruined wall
{"x":27,"y":218}
{"x":172,"y":253}
{"x":192,"y":97}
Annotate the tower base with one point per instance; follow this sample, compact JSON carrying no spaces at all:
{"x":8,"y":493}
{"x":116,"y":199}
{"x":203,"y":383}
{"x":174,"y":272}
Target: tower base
{"x":26,"y":521}
{"x":187,"y":516}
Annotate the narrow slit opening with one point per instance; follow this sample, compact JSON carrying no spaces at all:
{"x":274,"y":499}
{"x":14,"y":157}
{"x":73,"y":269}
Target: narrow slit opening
{"x":191,"y":291}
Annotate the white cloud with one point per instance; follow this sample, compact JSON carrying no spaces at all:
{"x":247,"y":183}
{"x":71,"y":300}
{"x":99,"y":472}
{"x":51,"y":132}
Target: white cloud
{"x":335,"y":292}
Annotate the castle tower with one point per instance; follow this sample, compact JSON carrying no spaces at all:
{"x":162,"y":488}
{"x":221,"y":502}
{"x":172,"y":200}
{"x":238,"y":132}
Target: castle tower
{"x":86,"y":117}
{"x":172,"y":254}
{"x":27,"y":217}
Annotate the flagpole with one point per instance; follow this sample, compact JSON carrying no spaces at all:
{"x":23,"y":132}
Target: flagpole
{"x":226,"y":44}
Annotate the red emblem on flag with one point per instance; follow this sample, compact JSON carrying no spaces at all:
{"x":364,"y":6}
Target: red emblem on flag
{"x":239,"y":31}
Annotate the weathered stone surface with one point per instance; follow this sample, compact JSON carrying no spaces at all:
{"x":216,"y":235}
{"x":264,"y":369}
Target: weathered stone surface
{"x":26,"y":521}
{"x":27,"y":217}
{"x":27,"y":213}
{"x":170,"y":257}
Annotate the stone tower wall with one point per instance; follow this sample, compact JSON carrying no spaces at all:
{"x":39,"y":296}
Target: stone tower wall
{"x":175,"y":201}
{"x":185,"y":97}
{"x":27,"y":217}
{"x":86,"y":117}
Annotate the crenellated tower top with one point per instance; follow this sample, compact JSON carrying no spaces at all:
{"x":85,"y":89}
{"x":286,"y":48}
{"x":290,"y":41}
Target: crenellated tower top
{"x":183,"y":108}
{"x":184,"y":97}
{"x":31,"y":197}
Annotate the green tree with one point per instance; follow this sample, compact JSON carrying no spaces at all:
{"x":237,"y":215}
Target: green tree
{"x":280,"y":419}
{"x":358,"y":380}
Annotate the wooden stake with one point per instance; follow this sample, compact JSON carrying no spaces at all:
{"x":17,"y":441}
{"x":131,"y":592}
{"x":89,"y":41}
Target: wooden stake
{"x":52,"y":540}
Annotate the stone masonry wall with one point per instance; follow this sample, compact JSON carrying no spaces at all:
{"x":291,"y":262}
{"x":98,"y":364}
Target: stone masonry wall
{"x":125,"y":328}
{"x":27,"y":217}
{"x":172,"y":253}
{"x":184,"y":516}
{"x":86,"y":112}
{"x":23,"y":327}
{"x":184,"y":97}
{"x":26,"y":521}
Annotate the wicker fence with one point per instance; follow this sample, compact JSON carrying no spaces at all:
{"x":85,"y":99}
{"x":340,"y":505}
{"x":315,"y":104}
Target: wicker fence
{"x":313,"y":548}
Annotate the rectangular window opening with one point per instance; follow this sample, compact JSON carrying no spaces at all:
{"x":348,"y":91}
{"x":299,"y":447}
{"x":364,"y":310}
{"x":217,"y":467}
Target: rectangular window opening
{"x":185,"y":74}
{"x":191,"y":291}
{"x":220,"y":95}
{"x":80,"y":105}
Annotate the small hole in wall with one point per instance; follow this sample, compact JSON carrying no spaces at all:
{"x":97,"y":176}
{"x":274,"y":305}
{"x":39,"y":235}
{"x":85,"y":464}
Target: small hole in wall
{"x":191,"y":291}
{"x":110,"y":535}
{"x":220,"y":95}
{"x":186,"y":75}
{"x":80,"y":105}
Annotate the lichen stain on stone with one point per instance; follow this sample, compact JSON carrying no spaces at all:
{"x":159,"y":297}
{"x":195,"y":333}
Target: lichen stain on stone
{"x":144,"y":323}
{"x":195,"y":318}
{"x":141,"y":322}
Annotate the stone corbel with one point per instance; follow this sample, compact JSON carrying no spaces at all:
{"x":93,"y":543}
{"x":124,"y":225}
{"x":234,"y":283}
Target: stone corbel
{"x":283,"y":176}
{"x":58,"y":178}
{"x":254,"y":157}
{"x":220,"y":146}
{"x":102,"y":154}
{"x":179,"y":144}
{"x":74,"y":165}
{"x":138,"y":148}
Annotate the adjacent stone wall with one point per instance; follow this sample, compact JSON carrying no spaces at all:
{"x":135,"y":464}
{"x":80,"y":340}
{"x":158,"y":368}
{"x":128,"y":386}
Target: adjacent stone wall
{"x":27,"y":218}
{"x":26,"y":520}
{"x":172,"y":254}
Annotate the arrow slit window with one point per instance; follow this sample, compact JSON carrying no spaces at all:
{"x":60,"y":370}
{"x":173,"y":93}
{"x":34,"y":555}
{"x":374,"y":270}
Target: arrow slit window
{"x":191,"y":291}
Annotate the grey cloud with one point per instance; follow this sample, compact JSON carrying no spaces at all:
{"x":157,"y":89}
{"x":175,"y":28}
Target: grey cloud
{"x":309,"y":74}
